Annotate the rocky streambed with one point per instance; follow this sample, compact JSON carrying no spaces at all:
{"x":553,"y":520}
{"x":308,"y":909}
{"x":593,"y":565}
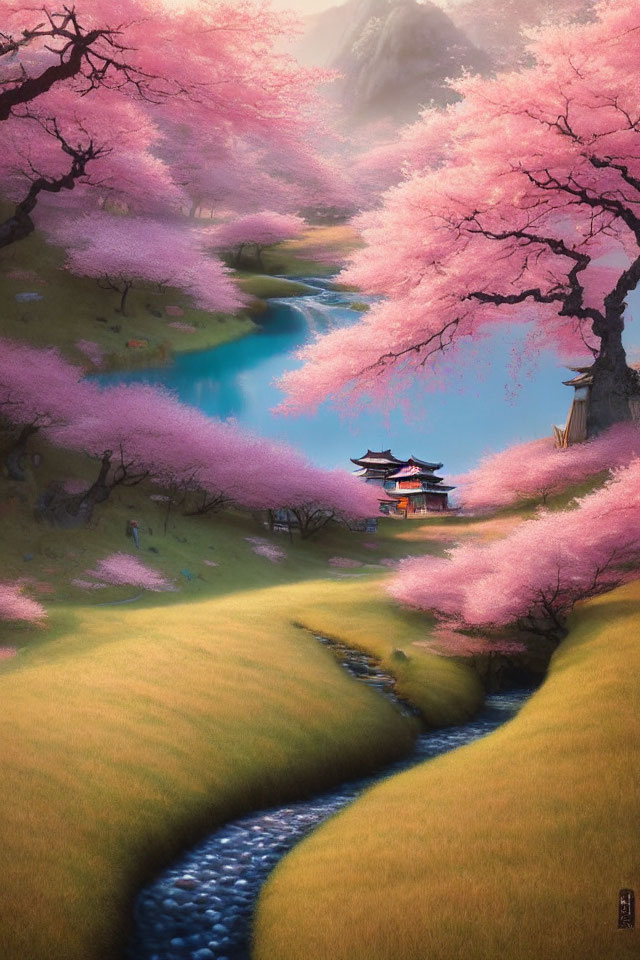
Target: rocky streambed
{"x":201,"y":908}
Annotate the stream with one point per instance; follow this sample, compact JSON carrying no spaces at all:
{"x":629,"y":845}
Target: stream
{"x":201,"y":908}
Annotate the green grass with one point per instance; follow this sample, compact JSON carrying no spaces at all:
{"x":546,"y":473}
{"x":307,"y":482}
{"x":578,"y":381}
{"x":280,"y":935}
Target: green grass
{"x":514,"y":847}
{"x":130,"y":730}
{"x":75,"y":308}
{"x":261,"y":286}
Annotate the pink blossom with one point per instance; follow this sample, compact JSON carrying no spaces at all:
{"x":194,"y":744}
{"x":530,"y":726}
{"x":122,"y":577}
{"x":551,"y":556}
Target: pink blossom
{"x":263,"y":548}
{"x":535,"y":574}
{"x":185,"y":327}
{"x":121,"y":252}
{"x":121,"y":568}
{"x":92,"y":350}
{"x":539,"y":468}
{"x":6,"y":653}
{"x":486,"y":229}
{"x":15,"y":606}
{"x":343,"y":562}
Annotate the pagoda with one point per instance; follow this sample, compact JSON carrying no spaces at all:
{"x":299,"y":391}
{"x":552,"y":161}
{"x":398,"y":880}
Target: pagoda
{"x":410,"y":486}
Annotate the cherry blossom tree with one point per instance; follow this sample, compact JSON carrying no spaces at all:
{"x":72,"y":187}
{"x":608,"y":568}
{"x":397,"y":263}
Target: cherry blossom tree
{"x":67,"y":72}
{"x":37,"y":389}
{"x":139,"y":433}
{"x":523,"y":210}
{"x":121,"y":252}
{"x":257,"y":230}
{"x":532,"y":578}
{"x":539,"y":469}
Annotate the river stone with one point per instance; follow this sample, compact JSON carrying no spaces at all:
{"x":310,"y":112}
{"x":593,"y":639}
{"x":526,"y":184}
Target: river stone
{"x":399,"y":654}
{"x":186,"y":883}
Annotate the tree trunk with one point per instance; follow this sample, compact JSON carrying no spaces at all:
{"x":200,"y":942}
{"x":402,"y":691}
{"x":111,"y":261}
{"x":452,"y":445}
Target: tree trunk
{"x":123,"y":300}
{"x":614,"y":382}
{"x":71,"y":511}
{"x":17,"y":452}
{"x":16,"y":227}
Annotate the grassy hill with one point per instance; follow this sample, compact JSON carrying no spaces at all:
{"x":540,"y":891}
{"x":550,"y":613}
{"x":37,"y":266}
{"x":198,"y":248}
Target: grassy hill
{"x":514,"y":847}
{"x":130,"y":729}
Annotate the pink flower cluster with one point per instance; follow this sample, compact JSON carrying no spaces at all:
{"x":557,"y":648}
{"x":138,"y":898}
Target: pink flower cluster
{"x":539,"y":468}
{"x":92,"y":350}
{"x":538,"y":571}
{"x":184,"y":327}
{"x":263,"y":548}
{"x":15,"y":606}
{"x":122,"y":569}
{"x":345,"y":562}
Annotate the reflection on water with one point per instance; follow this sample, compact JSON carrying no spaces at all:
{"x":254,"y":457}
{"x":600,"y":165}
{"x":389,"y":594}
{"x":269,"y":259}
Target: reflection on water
{"x":236,"y":379}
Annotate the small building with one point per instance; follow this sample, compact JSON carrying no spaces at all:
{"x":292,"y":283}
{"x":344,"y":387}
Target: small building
{"x":575,"y":429}
{"x":407,"y":486}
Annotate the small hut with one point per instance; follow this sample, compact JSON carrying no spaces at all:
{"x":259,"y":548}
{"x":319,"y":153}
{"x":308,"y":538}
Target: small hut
{"x":575,"y":429}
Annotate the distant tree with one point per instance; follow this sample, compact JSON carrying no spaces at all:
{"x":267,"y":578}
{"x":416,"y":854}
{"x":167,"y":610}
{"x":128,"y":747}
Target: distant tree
{"x":539,"y":469}
{"x":140,"y":432}
{"x":257,"y":230}
{"x":121,"y":252}
{"x":532,"y":578}
{"x":523,"y":209}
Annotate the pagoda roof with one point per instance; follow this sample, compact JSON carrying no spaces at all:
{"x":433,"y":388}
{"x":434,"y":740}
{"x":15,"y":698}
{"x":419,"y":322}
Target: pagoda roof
{"x":412,"y":470}
{"x":415,"y":461}
{"x":377,"y":472}
{"x":373,"y":458}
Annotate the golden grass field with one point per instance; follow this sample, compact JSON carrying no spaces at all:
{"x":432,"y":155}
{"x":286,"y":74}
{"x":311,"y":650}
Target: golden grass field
{"x":514,"y":847}
{"x":128,"y":731}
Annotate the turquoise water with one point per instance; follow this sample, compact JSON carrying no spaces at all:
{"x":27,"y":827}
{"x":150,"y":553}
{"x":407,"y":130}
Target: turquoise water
{"x":474,"y":416}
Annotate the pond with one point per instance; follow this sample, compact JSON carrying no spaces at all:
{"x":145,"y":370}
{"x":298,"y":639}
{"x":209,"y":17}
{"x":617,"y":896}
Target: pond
{"x":237,"y":380}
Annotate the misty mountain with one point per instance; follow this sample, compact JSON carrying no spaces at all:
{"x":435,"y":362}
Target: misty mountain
{"x":394,"y":56}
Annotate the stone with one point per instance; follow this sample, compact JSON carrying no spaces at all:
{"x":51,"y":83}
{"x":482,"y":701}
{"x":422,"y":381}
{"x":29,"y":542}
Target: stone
{"x":399,"y":654}
{"x":203,"y":954}
{"x":186,"y":883}
{"x":28,"y":297}
{"x":28,"y":556}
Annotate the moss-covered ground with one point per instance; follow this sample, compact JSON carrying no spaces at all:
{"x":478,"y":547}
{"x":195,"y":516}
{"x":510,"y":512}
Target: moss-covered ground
{"x":515,"y":846}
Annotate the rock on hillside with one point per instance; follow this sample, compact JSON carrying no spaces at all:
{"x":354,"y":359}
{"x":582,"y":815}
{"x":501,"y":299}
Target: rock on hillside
{"x":395,"y":55}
